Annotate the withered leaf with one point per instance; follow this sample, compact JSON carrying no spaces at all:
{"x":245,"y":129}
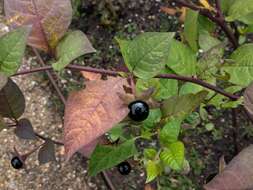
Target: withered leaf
{"x":91,"y":76}
{"x":238,"y":174}
{"x":92,"y":112}
{"x":50,"y":19}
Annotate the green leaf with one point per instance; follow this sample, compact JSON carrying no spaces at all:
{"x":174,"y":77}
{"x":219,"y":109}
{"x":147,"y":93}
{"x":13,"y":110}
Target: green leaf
{"x":2,"y":123}
{"x":12,"y":101}
{"x":12,"y":49}
{"x":170,"y":131}
{"x":206,"y":41}
{"x":241,"y":10}
{"x":153,"y":118}
{"x":225,"y":5}
{"x":105,"y":157}
{"x":173,"y":156}
{"x":150,"y":153}
{"x":146,"y":55}
{"x":241,"y":71}
{"x":163,"y":88}
{"x":209,"y":62}
{"x":72,"y":46}
{"x":190,"y":88}
{"x":221,"y":102}
{"x":205,"y":24}
{"x":116,"y":132}
{"x":182,"y":59}
{"x":191,"y":28}
{"x":181,"y":106}
{"x":153,"y":170}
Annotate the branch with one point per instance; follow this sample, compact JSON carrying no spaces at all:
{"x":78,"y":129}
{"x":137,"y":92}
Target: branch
{"x":219,"y":20}
{"x":51,"y":78}
{"x":116,"y":73}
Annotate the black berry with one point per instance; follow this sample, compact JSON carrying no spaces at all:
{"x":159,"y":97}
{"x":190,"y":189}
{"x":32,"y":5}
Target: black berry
{"x":16,"y":163}
{"x":139,"y":110}
{"x":124,"y":168}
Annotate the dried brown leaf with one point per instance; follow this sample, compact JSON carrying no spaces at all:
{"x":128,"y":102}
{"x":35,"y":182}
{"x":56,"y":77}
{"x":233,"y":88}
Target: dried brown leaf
{"x":238,"y":175}
{"x":91,"y":76}
{"x":92,"y":112}
{"x":50,"y":19}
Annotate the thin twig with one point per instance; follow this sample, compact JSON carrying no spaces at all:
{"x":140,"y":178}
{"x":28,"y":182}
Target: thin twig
{"x":106,"y":178}
{"x":44,"y":139}
{"x":51,"y":78}
{"x":220,"y":21}
{"x":115,"y":73}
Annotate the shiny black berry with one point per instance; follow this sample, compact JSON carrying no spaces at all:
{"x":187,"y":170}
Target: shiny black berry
{"x":124,"y":168}
{"x":16,"y":163}
{"x":139,"y":110}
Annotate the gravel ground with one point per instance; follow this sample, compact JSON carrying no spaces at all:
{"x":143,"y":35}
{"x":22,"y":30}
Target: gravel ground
{"x":41,"y":111}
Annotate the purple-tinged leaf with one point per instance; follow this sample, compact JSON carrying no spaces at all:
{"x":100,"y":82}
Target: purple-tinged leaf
{"x":12,"y":101}
{"x":24,"y":130}
{"x":47,"y":152}
{"x":50,"y":19}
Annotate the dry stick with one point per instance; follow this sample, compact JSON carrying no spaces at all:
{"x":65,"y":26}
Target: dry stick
{"x":115,"y":73}
{"x":103,"y":174}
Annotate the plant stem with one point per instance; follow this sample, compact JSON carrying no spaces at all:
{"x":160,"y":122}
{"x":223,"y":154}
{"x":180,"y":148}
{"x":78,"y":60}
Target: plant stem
{"x":115,"y":73}
{"x":219,"y":19}
{"x":44,"y":139}
{"x":51,"y":78}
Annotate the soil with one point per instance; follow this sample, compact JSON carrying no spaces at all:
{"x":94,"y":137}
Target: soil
{"x":102,"y":22}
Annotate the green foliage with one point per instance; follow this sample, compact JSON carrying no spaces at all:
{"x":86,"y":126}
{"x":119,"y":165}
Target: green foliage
{"x":182,"y":59}
{"x":169,"y":133}
{"x":146,"y":55}
{"x":191,"y":28}
{"x":236,"y":13}
{"x":181,"y":106}
{"x":12,"y":48}
{"x":153,"y":170}
{"x":105,"y":157}
{"x":173,"y":155}
{"x":163,"y":88}
{"x":241,"y":70}
{"x":73,"y":45}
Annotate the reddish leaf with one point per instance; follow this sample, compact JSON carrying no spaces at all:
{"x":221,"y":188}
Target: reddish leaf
{"x":50,"y":19}
{"x":92,"y":112}
{"x":238,"y":174}
{"x":91,"y":76}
